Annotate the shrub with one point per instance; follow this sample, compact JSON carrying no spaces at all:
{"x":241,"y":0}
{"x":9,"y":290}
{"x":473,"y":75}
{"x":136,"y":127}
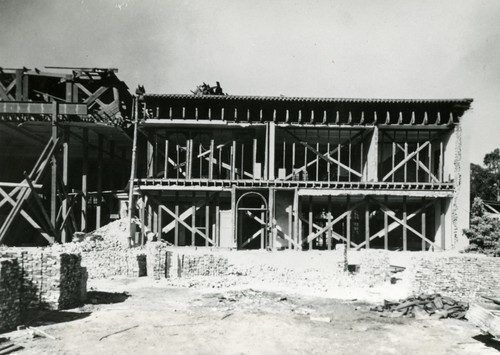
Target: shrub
{"x":484,"y":231}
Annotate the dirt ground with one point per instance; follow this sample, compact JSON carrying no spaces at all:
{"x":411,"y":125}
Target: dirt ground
{"x":141,"y":316}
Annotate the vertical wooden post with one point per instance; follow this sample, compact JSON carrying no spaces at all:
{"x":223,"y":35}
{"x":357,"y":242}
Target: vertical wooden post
{"x":266,"y":154}
{"x":165,"y":166}
{"x":53,"y":181}
{"x":65,"y":163}
{"x":442,"y":202}
{"x":393,"y":158}
{"x":406,"y":155}
{"x":26,"y":91}
{"x":217,"y":221}
{"x":19,"y":84}
{"x":272,"y":200}
{"x":367,"y":223}
{"x":211,"y":160}
{"x":310,"y":222}
{"x":329,"y":234}
{"x":348,"y":223}
{"x":441,"y":157}
{"x":290,"y":224}
{"x":233,"y":160}
{"x":296,"y":230}
{"x":424,"y":215}
{"x":176,"y":211}
{"x":386,"y":226}
{"x":99,"y":181}
{"x":150,"y":155}
{"x":143,"y":217}
{"x":317,"y":163}
{"x":254,"y":158}
{"x":85,"y":172}
{"x":207,"y":218}
{"x":263,"y":229}
{"x":193,"y":220}
{"x":272,"y":147}
{"x":160,"y":224}
{"x":405,"y":232}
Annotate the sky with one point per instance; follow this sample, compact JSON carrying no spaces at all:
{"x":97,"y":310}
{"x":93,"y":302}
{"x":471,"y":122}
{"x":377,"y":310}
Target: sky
{"x":325,"y":48}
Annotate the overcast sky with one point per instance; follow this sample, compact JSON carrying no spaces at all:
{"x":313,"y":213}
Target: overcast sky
{"x":351,"y":48}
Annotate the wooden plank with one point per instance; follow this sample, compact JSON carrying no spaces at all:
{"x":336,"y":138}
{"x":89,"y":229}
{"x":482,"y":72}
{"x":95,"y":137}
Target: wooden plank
{"x":211,"y":160}
{"x":19,"y":84}
{"x":165,"y":165}
{"x":443,"y":224}
{"x":484,"y":319}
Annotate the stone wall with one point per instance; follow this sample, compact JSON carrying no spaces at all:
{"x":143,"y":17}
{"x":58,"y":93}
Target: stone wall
{"x":10,"y":287}
{"x":464,"y":277}
{"x":49,"y":280}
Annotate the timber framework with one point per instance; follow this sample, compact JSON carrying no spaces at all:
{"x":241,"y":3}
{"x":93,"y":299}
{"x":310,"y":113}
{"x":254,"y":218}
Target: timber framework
{"x":245,"y":172}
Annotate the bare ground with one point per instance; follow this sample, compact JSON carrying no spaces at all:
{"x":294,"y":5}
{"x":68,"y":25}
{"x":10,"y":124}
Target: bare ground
{"x":155,"y":318}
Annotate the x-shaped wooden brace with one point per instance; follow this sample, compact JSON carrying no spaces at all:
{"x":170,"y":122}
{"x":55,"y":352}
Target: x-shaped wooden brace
{"x":4,"y":91}
{"x":325,"y":157}
{"x":395,"y":224}
{"x":330,"y":224}
{"x":334,"y":234}
{"x":190,"y":228}
{"x":392,"y":214}
{"x":405,"y":160}
{"x":187,"y":213}
{"x":279,"y":230}
{"x":333,"y":151}
{"x":93,"y":96}
{"x":419,"y":162}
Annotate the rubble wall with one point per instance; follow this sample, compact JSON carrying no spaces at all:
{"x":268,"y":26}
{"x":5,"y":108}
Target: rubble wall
{"x":104,"y":264}
{"x":10,"y":288}
{"x":49,"y":280}
{"x":464,"y":277}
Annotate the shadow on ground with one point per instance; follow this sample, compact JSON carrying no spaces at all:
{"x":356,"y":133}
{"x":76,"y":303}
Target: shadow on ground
{"x":47,"y":317}
{"x":98,"y":297}
{"x":488,"y":341}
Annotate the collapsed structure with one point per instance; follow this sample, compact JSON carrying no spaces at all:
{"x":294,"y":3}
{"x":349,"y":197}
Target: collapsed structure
{"x":242,"y":172}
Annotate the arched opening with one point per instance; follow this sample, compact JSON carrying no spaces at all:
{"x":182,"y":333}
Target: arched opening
{"x":252,"y":221}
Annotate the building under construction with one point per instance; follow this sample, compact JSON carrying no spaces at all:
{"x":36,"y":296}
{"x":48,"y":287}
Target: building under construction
{"x":245,"y":172}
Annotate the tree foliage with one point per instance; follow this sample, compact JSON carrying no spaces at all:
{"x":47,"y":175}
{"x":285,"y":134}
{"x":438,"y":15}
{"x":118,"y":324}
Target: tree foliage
{"x":484,"y":231}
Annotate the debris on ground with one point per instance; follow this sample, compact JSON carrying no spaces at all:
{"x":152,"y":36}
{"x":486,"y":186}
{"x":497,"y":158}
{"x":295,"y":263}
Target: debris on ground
{"x":36,"y":332}
{"x":117,"y":332}
{"x":487,"y":320}
{"x":424,"y":306}
{"x":321,"y":319}
{"x":8,"y":347}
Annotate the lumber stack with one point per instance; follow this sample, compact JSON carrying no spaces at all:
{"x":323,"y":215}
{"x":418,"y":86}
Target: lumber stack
{"x":10,"y":286}
{"x":424,"y":306}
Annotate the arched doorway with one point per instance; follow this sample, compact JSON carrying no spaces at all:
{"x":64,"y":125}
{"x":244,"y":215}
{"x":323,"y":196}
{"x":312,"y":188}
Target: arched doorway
{"x":252,"y":221}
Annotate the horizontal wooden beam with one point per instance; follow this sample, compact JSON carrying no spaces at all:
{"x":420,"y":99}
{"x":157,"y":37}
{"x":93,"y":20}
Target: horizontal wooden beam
{"x":11,"y":107}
